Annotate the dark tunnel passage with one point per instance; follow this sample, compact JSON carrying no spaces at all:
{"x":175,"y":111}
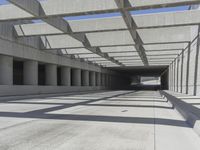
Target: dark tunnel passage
{"x":145,"y":78}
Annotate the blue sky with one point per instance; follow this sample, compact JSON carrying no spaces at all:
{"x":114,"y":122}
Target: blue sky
{"x":149,"y":11}
{"x":3,"y":2}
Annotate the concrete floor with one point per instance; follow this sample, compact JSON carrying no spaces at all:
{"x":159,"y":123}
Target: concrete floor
{"x":112,"y":120}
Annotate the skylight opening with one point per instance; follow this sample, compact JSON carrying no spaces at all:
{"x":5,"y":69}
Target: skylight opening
{"x":41,"y":0}
{"x":37,"y":21}
{"x":4,"y":2}
{"x":160,"y":10}
{"x":94,"y":16}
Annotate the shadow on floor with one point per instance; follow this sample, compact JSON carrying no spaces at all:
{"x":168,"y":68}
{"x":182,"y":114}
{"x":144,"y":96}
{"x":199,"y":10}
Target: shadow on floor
{"x":43,"y":113}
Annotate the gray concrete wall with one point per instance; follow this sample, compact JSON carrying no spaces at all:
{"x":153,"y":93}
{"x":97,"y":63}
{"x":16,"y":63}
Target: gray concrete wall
{"x":28,"y":50}
{"x":189,"y":83}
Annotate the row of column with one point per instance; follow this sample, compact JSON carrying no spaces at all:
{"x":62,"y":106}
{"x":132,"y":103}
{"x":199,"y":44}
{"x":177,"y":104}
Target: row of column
{"x":184,"y":70}
{"x":68,"y":76}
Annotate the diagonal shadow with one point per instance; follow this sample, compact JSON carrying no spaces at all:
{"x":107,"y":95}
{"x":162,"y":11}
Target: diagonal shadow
{"x":115,"y":119}
{"x":43,"y":114}
{"x":108,"y":105}
{"x":40,"y":103}
{"x":76,"y":104}
{"x":118,"y":100}
{"x":194,"y":103}
{"x":49,"y":96}
{"x":117,"y":105}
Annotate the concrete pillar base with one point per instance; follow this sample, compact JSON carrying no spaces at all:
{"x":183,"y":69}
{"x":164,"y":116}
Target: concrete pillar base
{"x":6,"y":70}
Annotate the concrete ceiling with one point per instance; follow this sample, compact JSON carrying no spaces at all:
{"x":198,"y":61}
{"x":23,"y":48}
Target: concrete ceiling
{"x":124,"y":41}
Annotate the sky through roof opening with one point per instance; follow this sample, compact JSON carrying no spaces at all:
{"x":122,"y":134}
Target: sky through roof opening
{"x":138,"y":12}
{"x":3,"y":2}
{"x":160,"y":10}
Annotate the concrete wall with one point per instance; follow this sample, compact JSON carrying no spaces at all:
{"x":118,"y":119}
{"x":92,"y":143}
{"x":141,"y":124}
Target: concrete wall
{"x":28,"y":50}
{"x":184,"y":71}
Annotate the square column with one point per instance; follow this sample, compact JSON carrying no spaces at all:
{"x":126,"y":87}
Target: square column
{"x":106,"y":80}
{"x":98,"y":79}
{"x":66,"y":76}
{"x":76,"y":77}
{"x":85,"y":78}
{"x":109,"y":80}
{"x":6,"y":70}
{"x":30,"y":72}
{"x":51,"y":74}
{"x":101,"y":79}
{"x":92,"y":78}
{"x":103,"y":83}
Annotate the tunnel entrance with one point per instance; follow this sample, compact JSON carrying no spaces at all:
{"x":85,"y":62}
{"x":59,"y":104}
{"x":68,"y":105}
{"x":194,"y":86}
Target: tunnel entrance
{"x":145,"y":83}
{"x":146,"y":77}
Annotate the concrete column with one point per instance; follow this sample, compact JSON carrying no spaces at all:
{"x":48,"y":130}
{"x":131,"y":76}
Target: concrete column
{"x":6,"y":70}
{"x":98,"y":79}
{"x":110,"y":80}
{"x":170,"y":76}
{"x":102,"y":79}
{"x":106,"y":80}
{"x":196,"y":63}
{"x":92,"y":78}
{"x":188,"y":66}
{"x":76,"y":77}
{"x":30,"y":72}
{"x":51,"y":74}
{"x":182,"y":58}
{"x":85,"y":78}
{"x":66,"y":76}
{"x":177,"y":74}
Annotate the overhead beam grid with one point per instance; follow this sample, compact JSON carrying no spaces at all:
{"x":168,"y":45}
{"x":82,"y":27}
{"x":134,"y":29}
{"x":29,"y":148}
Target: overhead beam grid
{"x":124,"y":40}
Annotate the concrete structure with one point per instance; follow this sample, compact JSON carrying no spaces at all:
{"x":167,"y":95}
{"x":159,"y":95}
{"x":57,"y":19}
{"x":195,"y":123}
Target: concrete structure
{"x":47,"y":49}
{"x":66,"y":76}
{"x":110,"y":44}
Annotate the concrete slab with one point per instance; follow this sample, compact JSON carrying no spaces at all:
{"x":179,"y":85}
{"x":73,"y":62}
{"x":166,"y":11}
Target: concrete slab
{"x":108,"y":120}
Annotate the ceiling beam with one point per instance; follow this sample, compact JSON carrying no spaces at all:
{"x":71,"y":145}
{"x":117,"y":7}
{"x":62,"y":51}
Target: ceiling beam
{"x":31,"y":6}
{"x":77,"y":10}
{"x":149,"y":21}
{"x":145,"y":44}
{"x":34,"y":7}
{"x":131,"y":25}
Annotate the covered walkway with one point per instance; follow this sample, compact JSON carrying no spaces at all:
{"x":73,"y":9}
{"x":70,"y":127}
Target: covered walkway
{"x":99,"y":74}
